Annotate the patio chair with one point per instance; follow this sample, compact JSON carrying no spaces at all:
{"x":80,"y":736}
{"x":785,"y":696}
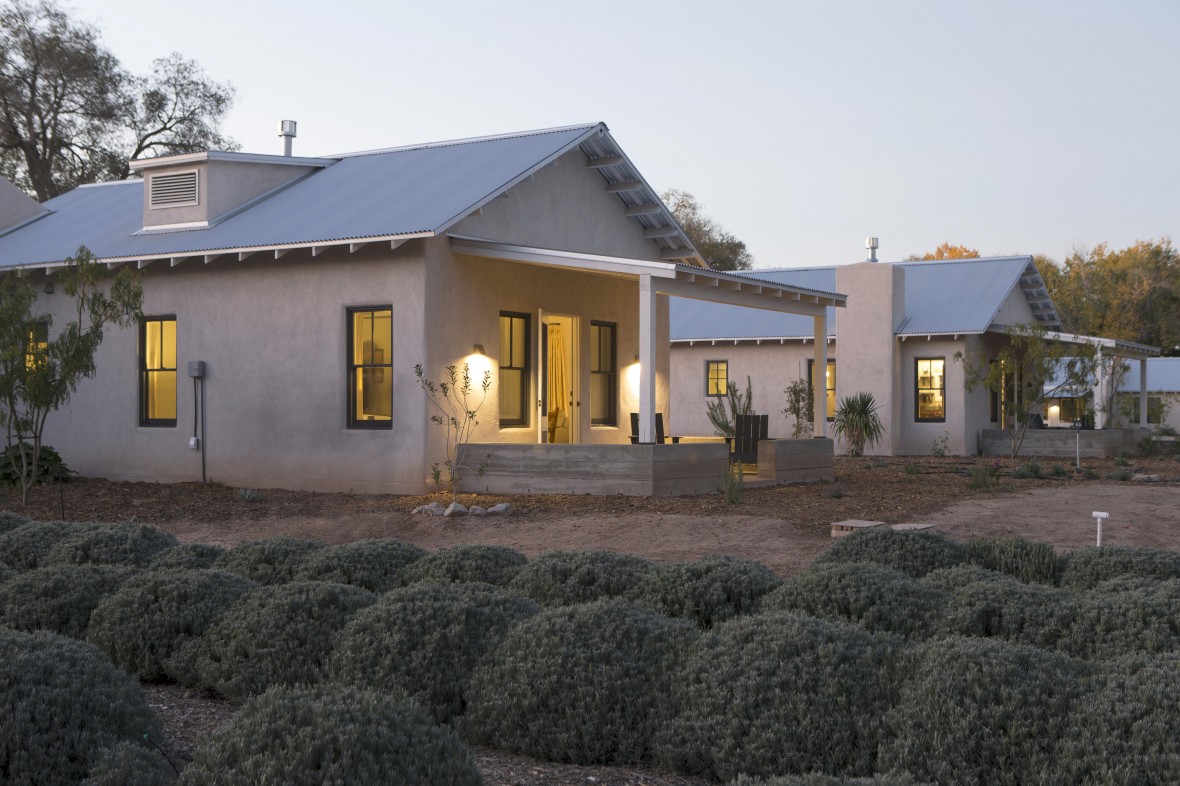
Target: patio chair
{"x":748,"y":431}
{"x":660,"y":438}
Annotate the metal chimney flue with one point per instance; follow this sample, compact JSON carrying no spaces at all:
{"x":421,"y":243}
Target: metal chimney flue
{"x":870,"y":243}
{"x":287,"y":132}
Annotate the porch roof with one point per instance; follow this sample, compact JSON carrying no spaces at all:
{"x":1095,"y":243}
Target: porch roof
{"x":667,"y":278}
{"x":1110,"y":346}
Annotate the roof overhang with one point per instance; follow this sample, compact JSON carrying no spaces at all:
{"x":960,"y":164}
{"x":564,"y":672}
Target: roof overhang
{"x":667,"y":278}
{"x":1109,"y":346}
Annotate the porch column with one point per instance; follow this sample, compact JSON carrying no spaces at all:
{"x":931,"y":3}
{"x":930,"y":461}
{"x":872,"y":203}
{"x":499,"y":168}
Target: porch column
{"x":819,"y":378}
{"x":1100,"y":400}
{"x":647,"y":361}
{"x":1143,"y":392}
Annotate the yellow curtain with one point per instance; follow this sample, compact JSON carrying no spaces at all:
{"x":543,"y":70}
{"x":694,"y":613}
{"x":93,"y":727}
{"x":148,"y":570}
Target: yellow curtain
{"x":558,"y":387}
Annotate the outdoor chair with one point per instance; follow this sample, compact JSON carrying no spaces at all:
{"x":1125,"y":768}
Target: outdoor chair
{"x":748,"y":431}
{"x":660,"y":438}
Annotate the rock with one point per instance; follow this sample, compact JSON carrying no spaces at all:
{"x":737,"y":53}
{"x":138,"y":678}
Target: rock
{"x":1141,"y":478}
{"x":503,"y":509}
{"x":433,"y":509}
{"x":476,"y":510}
{"x":455,"y":509}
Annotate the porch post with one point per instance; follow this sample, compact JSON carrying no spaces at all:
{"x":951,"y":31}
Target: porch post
{"x":1143,"y":392}
{"x":819,"y":378}
{"x":647,"y":361}
{"x":1100,"y":401}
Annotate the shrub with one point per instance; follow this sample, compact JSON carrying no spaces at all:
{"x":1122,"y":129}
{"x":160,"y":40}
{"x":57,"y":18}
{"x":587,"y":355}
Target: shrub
{"x":269,"y":561}
{"x":1059,"y":472}
{"x":23,"y":546}
{"x":330,"y":734}
{"x":485,"y":564}
{"x":707,"y":591}
{"x":424,"y":640}
{"x":978,"y":711}
{"x":981,"y":478}
{"x":375,"y":565}
{"x":1029,"y":469}
{"x":879,"y":599}
{"x":858,"y":423}
{"x":187,"y":556}
{"x":582,"y":684}
{"x":276,"y":635}
{"x":1119,"y":624}
{"x":1085,"y":568}
{"x":557,"y":578}
{"x":776,"y":694}
{"x":6,"y":573}
{"x":10,"y":521}
{"x":1120,"y":475}
{"x":58,"y":598}
{"x":50,"y":467}
{"x":818,"y":779}
{"x":63,"y":704}
{"x":915,"y":553}
{"x":1025,"y":560}
{"x":131,"y":764}
{"x":109,"y":544}
{"x":142,"y":624}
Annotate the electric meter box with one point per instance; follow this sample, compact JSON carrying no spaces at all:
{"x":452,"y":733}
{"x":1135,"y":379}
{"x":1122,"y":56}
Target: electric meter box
{"x":196,"y":369}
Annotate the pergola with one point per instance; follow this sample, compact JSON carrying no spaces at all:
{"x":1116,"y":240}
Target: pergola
{"x":678,"y":280}
{"x":1105,"y":387}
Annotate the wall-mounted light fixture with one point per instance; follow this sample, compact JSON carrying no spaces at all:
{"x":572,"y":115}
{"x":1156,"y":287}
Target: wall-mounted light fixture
{"x":479,"y":349}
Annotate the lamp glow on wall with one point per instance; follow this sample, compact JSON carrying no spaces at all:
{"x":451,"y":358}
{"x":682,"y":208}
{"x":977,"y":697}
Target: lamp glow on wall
{"x":631,"y":379}
{"x":478,"y":361}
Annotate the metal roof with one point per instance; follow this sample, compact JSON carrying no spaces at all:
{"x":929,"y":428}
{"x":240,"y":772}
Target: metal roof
{"x":1163,"y":376}
{"x":950,"y":297}
{"x":402,"y":192}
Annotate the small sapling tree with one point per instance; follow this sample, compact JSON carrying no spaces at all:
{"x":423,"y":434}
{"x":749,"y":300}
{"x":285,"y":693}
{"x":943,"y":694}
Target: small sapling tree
{"x":38,"y":374}
{"x":456,"y":403}
{"x":723,"y":412}
{"x":801,"y":406}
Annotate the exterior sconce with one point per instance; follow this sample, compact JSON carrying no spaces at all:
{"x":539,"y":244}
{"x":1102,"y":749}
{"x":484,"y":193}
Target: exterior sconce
{"x":479,"y":349}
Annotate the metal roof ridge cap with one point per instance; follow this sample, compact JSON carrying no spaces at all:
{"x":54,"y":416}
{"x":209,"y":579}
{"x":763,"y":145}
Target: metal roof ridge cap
{"x":469,"y":140}
{"x":21,"y":224}
{"x":218,"y":155}
{"x":127,"y":181}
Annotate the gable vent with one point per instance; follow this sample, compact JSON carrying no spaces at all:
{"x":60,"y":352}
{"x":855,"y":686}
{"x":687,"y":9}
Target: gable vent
{"x":176,"y":189}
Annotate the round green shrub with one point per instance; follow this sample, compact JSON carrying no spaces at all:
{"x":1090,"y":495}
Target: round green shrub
{"x":131,"y":764}
{"x":1118,"y":624}
{"x":484,"y":564}
{"x":6,"y":573}
{"x":331,"y":735}
{"x":1088,"y":567}
{"x":109,"y":544}
{"x":583,"y":683}
{"x":819,"y":779}
{"x":10,"y":521}
{"x":276,"y":635}
{"x":915,"y":553}
{"x":777,"y":694}
{"x":1123,"y":731}
{"x":878,"y":599}
{"x":58,"y":598}
{"x":375,"y":565}
{"x":1022,"y":559}
{"x":980,"y":711}
{"x":559,"y":578}
{"x":153,"y":615}
{"x":23,"y":546}
{"x":423,"y":642}
{"x":187,"y":556}
{"x":269,"y":561}
{"x":709,"y":590}
{"x":61,"y":704}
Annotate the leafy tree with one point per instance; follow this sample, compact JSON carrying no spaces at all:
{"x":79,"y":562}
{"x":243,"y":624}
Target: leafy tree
{"x":39,"y":373}
{"x":946,"y":251}
{"x":723,"y":411}
{"x":70,"y":114}
{"x":1018,"y":374}
{"x":858,"y":423}
{"x":720,"y":249}
{"x":800,"y":406}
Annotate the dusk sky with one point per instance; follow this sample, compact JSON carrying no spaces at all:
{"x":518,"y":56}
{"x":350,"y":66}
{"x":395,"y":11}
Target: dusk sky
{"x":1012,"y":127}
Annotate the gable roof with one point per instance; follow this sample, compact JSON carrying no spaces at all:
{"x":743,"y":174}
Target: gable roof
{"x":394,"y":194}
{"x":960,"y":296}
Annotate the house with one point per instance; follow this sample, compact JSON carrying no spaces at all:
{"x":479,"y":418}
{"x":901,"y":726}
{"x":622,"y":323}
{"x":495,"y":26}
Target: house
{"x":287,"y":301}
{"x":1163,"y":392}
{"x":899,"y":337}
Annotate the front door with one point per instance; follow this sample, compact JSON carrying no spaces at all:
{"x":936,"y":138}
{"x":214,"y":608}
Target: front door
{"x":559,"y":405}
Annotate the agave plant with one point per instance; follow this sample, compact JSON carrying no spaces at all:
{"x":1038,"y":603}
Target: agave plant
{"x":857,"y":422}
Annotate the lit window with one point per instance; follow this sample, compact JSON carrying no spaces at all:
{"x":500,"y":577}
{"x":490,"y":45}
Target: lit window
{"x":157,"y":371}
{"x":370,"y":367}
{"x":716,"y":377}
{"x":38,"y":344}
{"x":930,"y":393}
{"x":602,"y":374}
{"x":514,"y":369}
{"x":830,"y":385}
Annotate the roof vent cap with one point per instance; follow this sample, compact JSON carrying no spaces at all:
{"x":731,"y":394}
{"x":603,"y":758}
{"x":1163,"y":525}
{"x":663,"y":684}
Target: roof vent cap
{"x":871,"y":244}
{"x":287,"y":132}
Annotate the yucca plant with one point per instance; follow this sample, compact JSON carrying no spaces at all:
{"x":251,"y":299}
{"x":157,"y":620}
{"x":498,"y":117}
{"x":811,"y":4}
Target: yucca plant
{"x":857,"y":422}
{"x":723,"y":411}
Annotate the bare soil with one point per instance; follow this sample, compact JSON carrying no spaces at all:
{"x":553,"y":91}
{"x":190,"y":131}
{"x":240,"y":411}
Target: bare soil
{"x":784,"y":527}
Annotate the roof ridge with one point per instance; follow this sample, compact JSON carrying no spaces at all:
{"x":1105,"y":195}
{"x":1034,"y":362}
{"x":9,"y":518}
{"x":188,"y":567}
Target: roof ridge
{"x":468,"y":140}
{"x":1001,"y":258}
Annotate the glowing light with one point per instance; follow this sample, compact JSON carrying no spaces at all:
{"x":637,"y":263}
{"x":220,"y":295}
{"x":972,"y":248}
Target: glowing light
{"x":631,"y":379}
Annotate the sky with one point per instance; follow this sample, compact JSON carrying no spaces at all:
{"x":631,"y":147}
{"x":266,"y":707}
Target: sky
{"x":1008,"y":126}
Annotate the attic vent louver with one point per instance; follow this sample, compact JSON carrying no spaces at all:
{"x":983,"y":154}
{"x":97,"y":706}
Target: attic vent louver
{"x":175,"y":189}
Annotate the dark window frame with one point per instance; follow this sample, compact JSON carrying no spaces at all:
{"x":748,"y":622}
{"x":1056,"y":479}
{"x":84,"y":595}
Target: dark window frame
{"x":351,"y":366}
{"x":708,"y":378}
{"x":526,"y":371}
{"x":145,"y":374}
{"x":611,"y":374}
{"x":810,"y":369}
{"x":919,"y":390}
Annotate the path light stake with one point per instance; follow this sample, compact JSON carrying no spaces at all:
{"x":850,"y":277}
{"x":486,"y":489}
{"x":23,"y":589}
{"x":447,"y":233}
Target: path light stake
{"x":1100,"y":517}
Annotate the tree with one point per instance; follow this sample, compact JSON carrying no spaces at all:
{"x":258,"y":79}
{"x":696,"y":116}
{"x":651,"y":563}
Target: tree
{"x":720,"y":249}
{"x":70,"y":114}
{"x":456,"y":409}
{"x":39,"y":373}
{"x":801,"y":406}
{"x":1019,"y":372}
{"x":858,"y":423}
{"x":946,"y":251}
